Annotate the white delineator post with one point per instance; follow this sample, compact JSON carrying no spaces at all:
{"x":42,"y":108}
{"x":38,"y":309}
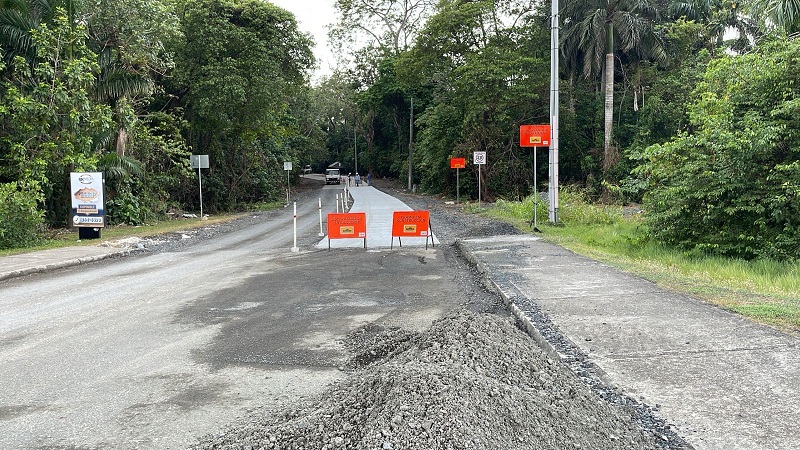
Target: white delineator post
{"x":337,"y":203}
{"x":294,"y":248}
{"x":320,"y":218}
{"x":200,"y":182}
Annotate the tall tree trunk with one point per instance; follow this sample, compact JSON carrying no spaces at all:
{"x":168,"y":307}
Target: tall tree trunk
{"x":122,"y":141}
{"x":608,"y":157}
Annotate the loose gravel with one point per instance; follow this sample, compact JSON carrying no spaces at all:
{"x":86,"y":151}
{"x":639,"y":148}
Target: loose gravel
{"x":473,"y":380}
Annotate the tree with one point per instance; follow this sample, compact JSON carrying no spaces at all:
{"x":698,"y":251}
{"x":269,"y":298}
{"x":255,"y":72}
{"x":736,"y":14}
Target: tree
{"x":389,"y":25}
{"x":129,"y":37}
{"x":49,"y":122}
{"x":595,"y":29}
{"x":480,"y":65}
{"x":728,"y":186}
{"x":784,"y":14}
{"x":374,"y":29}
{"x":695,"y":10}
{"x":18,"y":18}
{"x":238,"y":64}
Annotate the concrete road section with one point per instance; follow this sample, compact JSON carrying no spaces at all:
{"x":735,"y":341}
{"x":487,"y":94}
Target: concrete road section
{"x":725,"y":382}
{"x":379,"y":208}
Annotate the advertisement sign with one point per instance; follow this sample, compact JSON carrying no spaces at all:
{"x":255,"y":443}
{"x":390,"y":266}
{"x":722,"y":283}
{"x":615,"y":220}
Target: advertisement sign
{"x":88,"y":202}
{"x":534,"y":135}
{"x":458,"y":163}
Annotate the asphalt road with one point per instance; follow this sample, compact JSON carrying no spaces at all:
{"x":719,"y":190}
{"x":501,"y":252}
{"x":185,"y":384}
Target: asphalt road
{"x":155,"y":351}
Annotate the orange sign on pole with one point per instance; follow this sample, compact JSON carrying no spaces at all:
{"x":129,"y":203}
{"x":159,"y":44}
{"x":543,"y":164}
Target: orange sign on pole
{"x":458,"y":163}
{"x":534,"y":135}
{"x":411,"y":224}
{"x":347,"y":226}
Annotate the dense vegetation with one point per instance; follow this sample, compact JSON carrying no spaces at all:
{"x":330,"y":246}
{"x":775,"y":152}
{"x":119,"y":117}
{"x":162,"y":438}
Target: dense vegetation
{"x":132,"y":88}
{"x":688,"y":107}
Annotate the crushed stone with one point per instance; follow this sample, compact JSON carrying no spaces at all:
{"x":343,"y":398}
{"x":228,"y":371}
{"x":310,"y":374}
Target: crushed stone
{"x":471,"y":381}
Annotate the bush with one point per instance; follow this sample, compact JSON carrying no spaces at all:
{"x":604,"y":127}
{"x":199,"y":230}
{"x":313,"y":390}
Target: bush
{"x":730,"y":187}
{"x":21,"y":220}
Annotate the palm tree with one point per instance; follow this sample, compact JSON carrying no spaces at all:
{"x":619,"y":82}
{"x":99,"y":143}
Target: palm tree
{"x":19,"y":17}
{"x":594,"y":29}
{"x":697,"y":10}
{"x":784,"y":14}
{"x":116,"y":86}
{"x":116,"y":82}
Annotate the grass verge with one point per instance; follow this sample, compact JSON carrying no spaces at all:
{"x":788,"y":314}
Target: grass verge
{"x":765,"y":291}
{"x":66,"y":238}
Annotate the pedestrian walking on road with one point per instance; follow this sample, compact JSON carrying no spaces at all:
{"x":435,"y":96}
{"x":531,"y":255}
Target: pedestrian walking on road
{"x":369,"y":178}
{"x":358,"y":179}
{"x":349,"y":183}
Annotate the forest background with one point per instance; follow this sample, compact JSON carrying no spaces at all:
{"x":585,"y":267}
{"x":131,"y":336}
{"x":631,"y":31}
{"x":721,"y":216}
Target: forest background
{"x":688,"y":108}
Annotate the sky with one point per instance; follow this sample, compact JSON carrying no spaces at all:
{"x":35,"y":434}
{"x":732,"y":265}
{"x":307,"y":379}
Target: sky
{"x":312,"y":17}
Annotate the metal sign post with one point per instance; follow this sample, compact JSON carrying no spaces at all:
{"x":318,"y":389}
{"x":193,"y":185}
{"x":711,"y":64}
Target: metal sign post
{"x":199,"y":162}
{"x":458,"y":163}
{"x":535,"y":136}
{"x":295,"y":249}
{"x":287,"y":166}
{"x":535,"y":194}
{"x":479,"y":159}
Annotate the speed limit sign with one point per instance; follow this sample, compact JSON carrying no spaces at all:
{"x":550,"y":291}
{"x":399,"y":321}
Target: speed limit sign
{"x":479,"y":158}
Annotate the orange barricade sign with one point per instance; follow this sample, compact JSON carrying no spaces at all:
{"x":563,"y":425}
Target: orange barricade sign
{"x":347,"y":226}
{"x":458,"y":163}
{"x":411,"y":224}
{"x":534,"y":135}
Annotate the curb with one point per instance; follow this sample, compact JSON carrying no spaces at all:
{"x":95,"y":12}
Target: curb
{"x":512,"y":298}
{"x":509,"y":300}
{"x":65,"y":264}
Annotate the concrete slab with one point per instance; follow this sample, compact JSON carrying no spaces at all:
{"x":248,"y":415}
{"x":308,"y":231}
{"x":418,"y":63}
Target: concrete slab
{"x":379,"y":208}
{"x":724,"y":381}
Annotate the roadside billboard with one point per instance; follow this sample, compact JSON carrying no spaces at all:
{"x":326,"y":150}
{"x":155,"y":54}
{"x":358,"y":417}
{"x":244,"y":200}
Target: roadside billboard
{"x":88,"y":202}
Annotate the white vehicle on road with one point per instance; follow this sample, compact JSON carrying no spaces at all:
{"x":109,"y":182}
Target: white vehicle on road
{"x":332,"y":176}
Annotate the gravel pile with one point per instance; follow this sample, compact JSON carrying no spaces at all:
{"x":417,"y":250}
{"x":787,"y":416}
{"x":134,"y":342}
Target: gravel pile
{"x":471,"y":381}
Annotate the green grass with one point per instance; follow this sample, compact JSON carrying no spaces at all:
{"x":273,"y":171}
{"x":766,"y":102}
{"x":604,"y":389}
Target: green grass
{"x":765,"y":291}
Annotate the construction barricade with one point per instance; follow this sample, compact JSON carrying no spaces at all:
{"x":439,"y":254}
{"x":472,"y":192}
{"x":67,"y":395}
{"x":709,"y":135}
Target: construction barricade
{"x":347,"y":226}
{"x":411,"y":224}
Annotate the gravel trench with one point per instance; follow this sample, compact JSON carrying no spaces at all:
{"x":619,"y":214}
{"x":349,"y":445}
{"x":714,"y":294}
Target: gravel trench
{"x":473,"y":380}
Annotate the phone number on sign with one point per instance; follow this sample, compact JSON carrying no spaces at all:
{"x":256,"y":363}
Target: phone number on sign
{"x":93,"y":220}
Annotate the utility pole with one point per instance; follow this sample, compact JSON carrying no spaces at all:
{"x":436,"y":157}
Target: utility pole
{"x":554,"y":49}
{"x":355,"y":145}
{"x":411,"y":144}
